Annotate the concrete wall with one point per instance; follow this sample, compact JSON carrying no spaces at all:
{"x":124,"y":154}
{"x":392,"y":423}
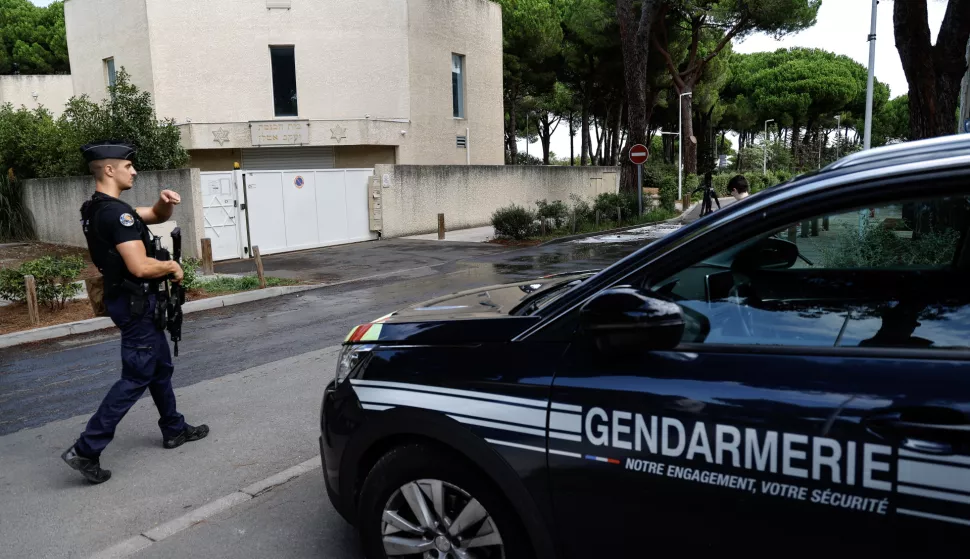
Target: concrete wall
{"x":99,"y":29}
{"x":56,"y":205}
{"x":207,"y":160}
{"x":363,"y":157}
{"x":469,"y":195}
{"x":52,"y":92}
{"x":440,"y":28}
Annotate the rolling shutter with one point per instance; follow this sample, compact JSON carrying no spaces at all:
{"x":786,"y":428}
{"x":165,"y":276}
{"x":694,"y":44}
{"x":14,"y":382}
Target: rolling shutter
{"x":288,"y":158}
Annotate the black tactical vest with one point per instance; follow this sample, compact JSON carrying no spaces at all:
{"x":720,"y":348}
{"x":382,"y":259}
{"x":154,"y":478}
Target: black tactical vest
{"x":103,"y":252}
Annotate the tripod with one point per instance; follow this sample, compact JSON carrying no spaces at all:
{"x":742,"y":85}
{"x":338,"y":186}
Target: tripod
{"x":710,"y":196}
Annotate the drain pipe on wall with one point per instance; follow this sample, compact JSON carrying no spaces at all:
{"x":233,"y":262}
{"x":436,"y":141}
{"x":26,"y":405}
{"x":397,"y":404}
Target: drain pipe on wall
{"x":468,"y":153}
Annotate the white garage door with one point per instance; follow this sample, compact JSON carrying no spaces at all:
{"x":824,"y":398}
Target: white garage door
{"x":294,"y":210}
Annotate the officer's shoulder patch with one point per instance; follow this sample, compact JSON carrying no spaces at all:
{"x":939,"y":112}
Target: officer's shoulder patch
{"x":127,"y":220}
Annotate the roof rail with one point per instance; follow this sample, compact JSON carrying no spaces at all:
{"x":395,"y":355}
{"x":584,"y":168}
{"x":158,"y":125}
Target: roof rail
{"x":938,"y":147}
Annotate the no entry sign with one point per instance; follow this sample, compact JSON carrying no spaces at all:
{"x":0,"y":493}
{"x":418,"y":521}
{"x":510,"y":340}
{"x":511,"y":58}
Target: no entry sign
{"x":639,"y":154}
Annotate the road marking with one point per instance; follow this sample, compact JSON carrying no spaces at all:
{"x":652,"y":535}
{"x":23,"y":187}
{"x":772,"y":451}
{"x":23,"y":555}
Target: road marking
{"x":139,"y":543}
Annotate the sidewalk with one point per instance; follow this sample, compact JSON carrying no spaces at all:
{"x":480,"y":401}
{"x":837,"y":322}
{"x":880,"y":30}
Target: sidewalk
{"x":346,"y":262}
{"x":473,"y":235}
{"x":263,"y":420}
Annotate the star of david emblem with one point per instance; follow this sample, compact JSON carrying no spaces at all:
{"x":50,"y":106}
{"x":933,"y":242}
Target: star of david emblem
{"x":338,"y":133}
{"x":221,"y":136}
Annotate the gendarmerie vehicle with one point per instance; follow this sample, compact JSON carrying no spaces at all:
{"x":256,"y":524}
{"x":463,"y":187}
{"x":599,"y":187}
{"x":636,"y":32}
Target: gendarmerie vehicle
{"x":789,"y":376}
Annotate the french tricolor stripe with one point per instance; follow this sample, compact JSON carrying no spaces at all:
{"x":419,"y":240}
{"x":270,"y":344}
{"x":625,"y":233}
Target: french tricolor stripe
{"x":602,"y":459}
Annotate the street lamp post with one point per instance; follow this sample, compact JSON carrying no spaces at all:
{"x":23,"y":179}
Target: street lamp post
{"x":872,"y":74}
{"x":680,"y":148}
{"x":765,"y":170}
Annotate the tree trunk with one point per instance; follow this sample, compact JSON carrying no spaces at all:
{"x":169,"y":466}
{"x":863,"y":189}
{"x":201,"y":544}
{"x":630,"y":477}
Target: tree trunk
{"x":584,"y":133}
{"x":513,"y":148}
{"x":545,"y":137}
{"x":690,"y":148}
{"x":934,"y":73}
{"x":615,"y":146}
{"x":795,"y":130}
{"x":572,"y":140}
{"x":634,"y":38}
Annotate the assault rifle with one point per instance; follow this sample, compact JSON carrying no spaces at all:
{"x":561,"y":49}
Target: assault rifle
{"x":176,"y":296}
{"x":171,"y":295}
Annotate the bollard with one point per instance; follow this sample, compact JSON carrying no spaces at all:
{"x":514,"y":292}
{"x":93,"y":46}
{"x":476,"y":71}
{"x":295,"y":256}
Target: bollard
{"x":259,"y":268}
{"x":208,"y":268}
{"x":815,"y":227}
{"x":441,"y":227}
{"x":32,"y":309}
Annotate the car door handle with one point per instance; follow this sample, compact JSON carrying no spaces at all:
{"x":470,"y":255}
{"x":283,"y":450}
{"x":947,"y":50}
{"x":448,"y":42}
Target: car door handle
{"x":931,"y":430}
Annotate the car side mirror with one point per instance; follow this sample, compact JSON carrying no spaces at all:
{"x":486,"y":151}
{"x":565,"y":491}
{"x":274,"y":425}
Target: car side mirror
{"x":629,"y":319}
{"x":767,"y":254}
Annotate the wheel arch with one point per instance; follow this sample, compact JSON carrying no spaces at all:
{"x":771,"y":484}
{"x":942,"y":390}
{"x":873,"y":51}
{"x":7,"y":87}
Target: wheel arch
{"x":389,"y":429}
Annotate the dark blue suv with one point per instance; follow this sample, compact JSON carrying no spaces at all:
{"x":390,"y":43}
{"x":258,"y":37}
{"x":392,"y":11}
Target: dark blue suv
{"x":789,"y":376}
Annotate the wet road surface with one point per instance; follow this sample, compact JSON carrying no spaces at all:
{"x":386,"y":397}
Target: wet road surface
{"x":63,"y":378}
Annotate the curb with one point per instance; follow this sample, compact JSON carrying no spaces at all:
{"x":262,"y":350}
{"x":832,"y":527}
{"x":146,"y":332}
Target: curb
{"x":142,"y":541}
{"x":620,"y":230}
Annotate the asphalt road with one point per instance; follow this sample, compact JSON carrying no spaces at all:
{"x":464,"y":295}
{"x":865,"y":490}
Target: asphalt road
{"x":230,"y":358}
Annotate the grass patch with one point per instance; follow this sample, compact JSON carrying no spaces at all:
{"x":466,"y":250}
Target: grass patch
{"x":232,"y":285}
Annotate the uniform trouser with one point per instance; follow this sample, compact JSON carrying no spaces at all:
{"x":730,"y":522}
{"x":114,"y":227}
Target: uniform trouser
{"x":146,"y":363}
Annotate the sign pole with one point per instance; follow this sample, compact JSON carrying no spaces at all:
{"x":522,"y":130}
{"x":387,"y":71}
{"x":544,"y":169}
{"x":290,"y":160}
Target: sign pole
{"x":638,"y":156}
{"x":640,"y":187}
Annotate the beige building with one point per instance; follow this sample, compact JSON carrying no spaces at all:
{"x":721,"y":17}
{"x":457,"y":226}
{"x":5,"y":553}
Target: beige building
{"x":285,"y":84}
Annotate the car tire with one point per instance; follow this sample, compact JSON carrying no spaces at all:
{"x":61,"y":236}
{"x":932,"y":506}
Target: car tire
{"x":398,"y":469}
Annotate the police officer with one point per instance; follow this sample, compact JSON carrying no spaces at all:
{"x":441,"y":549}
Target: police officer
{"x":120,"y":245}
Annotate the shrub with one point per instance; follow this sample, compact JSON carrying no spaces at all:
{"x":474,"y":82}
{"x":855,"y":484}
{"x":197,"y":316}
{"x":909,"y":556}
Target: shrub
{"x":35,"y":144}
{"x":668,"y":193}
{"x":880,"y":247}
{"x":55,"y":279}
{"x":720,"y":182}
{"x":607,"y":204}
{"x":556,"y":211}
{"x":190,"y":269}
{"x":514,"y":222}
{"x":782,"y":176}
{"x":15,"y":220}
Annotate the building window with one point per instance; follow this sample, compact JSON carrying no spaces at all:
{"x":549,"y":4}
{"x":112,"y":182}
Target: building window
{"x":110,"y":76}
{"x":284,"y":80}
{"x":458,"y":84}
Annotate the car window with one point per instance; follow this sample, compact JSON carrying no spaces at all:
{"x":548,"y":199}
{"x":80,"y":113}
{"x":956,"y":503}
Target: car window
{"x":884,"y":276}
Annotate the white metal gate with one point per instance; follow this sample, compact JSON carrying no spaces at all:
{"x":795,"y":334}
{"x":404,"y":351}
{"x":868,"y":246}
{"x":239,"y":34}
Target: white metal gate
{"x":295,"y":210}
{"x":221,"y":215}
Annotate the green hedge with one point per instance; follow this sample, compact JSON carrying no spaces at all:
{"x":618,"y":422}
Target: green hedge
{"x":55,"y":278}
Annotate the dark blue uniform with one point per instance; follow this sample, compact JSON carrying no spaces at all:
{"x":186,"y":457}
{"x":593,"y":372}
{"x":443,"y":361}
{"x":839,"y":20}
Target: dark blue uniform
{"x":131,"y":302}
{"x":145,"y":356}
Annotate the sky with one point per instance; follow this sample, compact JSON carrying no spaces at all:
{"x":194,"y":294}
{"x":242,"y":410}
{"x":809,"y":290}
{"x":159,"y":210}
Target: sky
{"x":842,"y":27}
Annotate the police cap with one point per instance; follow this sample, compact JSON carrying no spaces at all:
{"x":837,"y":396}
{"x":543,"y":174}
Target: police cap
{"x":107,"y":149}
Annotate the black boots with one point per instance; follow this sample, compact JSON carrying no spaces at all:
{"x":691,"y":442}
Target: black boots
{"x":188,"y":435}
{"x":90,"y":469}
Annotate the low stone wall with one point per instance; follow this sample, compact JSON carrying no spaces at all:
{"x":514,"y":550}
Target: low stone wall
{"x":56,"y":206}
{"x":414,"y":195}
